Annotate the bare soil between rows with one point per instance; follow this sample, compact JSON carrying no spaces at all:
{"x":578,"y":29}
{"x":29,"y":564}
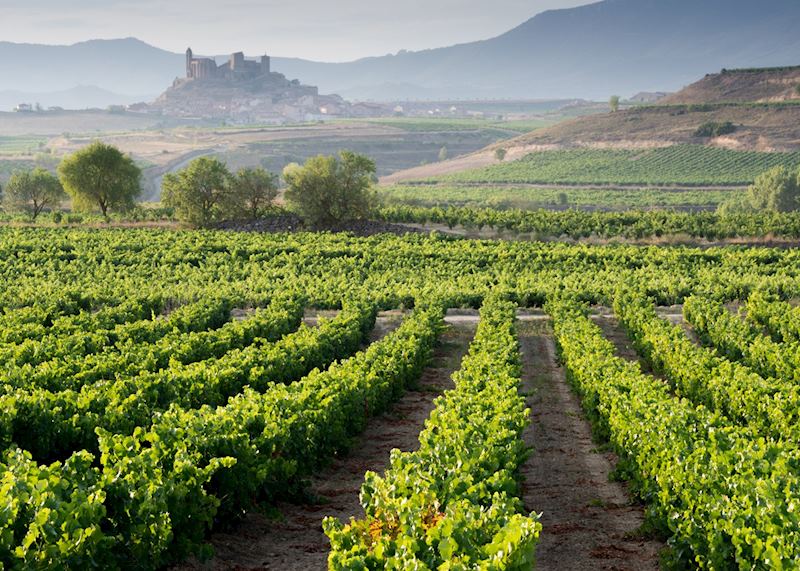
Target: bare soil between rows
{"x":590,"y":523}
{"x":293,"y":539}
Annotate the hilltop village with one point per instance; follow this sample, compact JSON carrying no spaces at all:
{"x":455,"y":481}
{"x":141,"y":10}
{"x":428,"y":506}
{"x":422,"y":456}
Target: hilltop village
{"x":247,"y":91}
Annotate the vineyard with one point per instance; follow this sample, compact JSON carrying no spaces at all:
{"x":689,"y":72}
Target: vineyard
{"x":162,"y":387}
{"x":687,"y":165}
{"x":532,"y":197}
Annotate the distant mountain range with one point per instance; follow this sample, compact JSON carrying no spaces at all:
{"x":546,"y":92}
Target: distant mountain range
{"x":593,"y":51}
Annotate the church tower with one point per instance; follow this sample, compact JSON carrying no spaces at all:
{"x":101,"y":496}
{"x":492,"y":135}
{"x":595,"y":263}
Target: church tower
{"x":189,"y":58}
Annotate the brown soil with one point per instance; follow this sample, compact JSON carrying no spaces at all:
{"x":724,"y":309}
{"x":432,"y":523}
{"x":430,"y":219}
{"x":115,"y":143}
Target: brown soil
{"x":589,"y":522}
{"x":613,"y":331}
{"x":294,"y":540}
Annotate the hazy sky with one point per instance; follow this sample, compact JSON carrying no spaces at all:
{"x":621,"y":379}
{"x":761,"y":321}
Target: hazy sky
{"x":327,"y":30}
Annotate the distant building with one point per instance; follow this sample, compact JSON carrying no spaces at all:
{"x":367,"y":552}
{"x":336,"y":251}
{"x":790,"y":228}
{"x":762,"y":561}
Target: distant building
{"x":246,"y":91}
{"x":24,"y":108}
{"x":236,"y":68}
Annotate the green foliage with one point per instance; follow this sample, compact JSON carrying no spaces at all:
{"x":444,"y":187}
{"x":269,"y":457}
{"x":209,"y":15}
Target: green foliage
{"x":443,"y":154}
{"x":100,"y":176}
{"x":500,"y":154}
{"x":715,"y":129}
{"x":33,"y":191}
{"x":777,"y":190}
{"x":532,"y":197}
{"x":613,"y":103}
{"x":142,"y":407}
{"x":253,"y":191}
{"x":201,"y":193}
{"x":634,"y":225}
{"x":704,"y":477}
{"x":330,"y":190}
{"x":426,"y":512}
{"x":688,"y":165}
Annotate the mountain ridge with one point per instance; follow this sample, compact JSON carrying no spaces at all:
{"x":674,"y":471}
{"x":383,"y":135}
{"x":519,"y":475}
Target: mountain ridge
{"x":591,"y":51}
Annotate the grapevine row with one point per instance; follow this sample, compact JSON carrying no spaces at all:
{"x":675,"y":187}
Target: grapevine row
{"x":725,"y":495}
{"x":738,"y":340}
{"x":157,"y":492}
{"x":771,"y":407}
{"x":452,"y":504}
{"x":174,"y":348}
{"x":52,"y":425}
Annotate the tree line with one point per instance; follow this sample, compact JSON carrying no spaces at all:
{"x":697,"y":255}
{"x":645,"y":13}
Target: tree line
{"x":325,"y":191}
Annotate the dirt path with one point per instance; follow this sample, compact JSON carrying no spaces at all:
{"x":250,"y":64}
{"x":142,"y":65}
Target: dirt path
{"x":589,"y":522}
{"x":293,"y":540}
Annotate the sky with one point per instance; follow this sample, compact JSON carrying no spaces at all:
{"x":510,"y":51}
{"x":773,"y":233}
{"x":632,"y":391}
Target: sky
{"x":323,"y":30}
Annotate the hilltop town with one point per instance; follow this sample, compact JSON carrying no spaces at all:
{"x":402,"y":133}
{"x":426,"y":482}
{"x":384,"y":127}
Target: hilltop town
{"x":245,"y":91}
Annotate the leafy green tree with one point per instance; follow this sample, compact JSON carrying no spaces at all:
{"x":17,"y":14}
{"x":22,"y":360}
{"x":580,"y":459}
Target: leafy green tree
{"x":200,"y":193}
{"x":443,"y":154}
{"x":500,"y":154}
{"x":613,"y":103}
{"x":777,"y":190}
{"x":33,"y":191}
{"x":100,"y":176}
{"x":331,"y":189}
{"x":254,"y":190}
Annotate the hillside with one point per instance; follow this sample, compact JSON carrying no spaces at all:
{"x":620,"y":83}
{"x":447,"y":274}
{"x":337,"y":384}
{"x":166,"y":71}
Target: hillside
{"x":762,"y":107}
{"x":613,"y":46}
{"x":744,"y":85}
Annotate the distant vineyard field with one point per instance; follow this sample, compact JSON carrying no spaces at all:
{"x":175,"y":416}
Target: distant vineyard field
{"x":422,"y":124}
{"x":21,"y":145}
{"x":530,"y":197}
{"x":690,"y":165}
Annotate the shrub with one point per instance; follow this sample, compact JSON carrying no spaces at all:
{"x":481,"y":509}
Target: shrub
{"x":329,"y":190}
{"x":714,"y":129}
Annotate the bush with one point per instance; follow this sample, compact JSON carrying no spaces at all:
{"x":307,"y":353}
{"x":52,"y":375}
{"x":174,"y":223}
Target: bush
{"x":33,"y":191}
{"x":329,"y":190}
{"x":714,"y":129}
{"x":201,"y":193}
{"x":776,"y":190}
{"x":253,"y":191}
{"x":100,"y":176}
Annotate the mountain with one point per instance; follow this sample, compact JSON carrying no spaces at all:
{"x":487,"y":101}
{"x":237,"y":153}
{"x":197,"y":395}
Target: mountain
{"x":79,"y":97}
{"x":613,"y":46}
{"x":126,"y":66}
{"x":593,"y":51}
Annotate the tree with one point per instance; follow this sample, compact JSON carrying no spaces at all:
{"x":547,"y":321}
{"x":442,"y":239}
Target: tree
{"x":253,"y":190}
{"x":199,"y":193}
{"x":101,"y":176}
{"x":777,"y":190}
{"x":333,"y":189}
{"x":33,"y":191}
{"x":613,"y":103}
{"x":500,"y":154}
{"x":443,"y":154}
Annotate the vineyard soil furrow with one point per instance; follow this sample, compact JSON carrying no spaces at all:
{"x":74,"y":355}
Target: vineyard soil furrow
{"x":290,"y":538}
{"x":588,"y":520}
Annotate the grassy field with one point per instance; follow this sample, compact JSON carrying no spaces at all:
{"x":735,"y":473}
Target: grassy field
{"x":434,"y":124}
{"x":527,"y":197}
{"x":688,"y":165}
{"x":21,"y":145}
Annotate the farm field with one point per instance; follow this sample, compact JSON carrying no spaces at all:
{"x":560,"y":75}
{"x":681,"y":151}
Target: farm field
{"x":395,"y":145}
{"x":679,"y":165}
{"x":171,"y":396}
{"x":530,"y":197}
